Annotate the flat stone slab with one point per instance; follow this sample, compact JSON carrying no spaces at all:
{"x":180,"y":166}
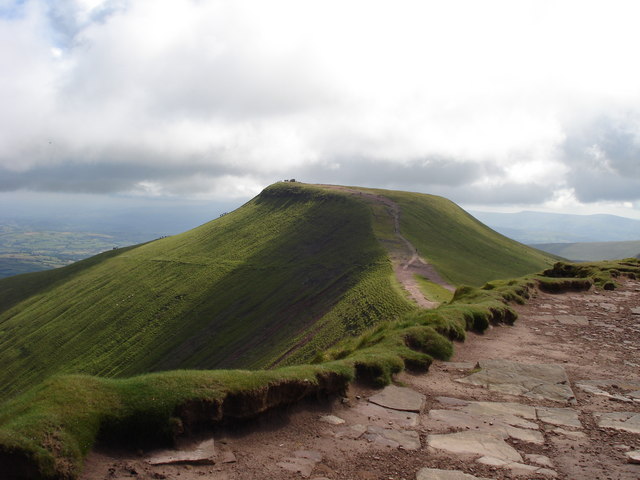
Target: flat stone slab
{"x":635,"y":310}
{"x":564,"y":417}
{"x":624,"y":390}
{"x":624,"y":421}
{"x":484,"y":423}
{"x":633,"y":456}
{"x":517,"y":467}
{"x":537,"y":381}
{"x":609,"y":307}
{"x":399,"y":398}
{"x":353,"y":432}
{"x":386,"y":415}
{"x":475,"y":443}
{"x":302,"y":462}
{"x":503,"y":409}
{"x":203,"y":454}
{"x":406,"y":439}
{"x":570,"y":433}
{"x":437,"y":474}
{"x":452,"y":401}
{"x":331,"y":420}
{"x":541,"y":460}
{"x":579,"y":320}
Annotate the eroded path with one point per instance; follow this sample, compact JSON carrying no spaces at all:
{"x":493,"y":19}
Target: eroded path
{"x":407,"y":263}
{"x":555,"y":396}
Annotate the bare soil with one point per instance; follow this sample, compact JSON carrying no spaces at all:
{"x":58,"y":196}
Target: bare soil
{"x":607,"y":347}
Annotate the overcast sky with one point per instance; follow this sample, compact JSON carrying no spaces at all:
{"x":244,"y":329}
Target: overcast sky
{"x":494,"y":104}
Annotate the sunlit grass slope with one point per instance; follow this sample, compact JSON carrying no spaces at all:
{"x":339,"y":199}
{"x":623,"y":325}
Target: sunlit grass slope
{"x":239,"y":291}
{"x":464,"y":250}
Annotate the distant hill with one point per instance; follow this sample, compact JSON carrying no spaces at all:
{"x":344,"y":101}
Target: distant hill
{"x":287,"y":274}
{"x":592,"y":251}
{"x":538,"y":227}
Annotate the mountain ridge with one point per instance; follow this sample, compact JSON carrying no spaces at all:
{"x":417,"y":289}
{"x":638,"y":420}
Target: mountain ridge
{"x":242,"y":290}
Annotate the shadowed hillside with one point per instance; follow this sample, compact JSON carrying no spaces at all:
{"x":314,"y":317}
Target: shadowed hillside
{"x":281,"y":278}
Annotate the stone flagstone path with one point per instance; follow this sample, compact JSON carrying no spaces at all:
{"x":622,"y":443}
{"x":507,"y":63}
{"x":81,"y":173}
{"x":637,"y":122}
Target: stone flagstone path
{"x":555,"y":396}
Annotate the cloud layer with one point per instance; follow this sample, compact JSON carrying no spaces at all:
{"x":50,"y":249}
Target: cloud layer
{"x":493,"y":103}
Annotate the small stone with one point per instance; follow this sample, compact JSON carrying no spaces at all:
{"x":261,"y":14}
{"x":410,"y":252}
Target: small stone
{"x":437,"y":474}
{"x":228,"y":457}
{"x":203,"y":453}
{"x":541,"y":460}
{"x":621,"y":446}
{"x":633,"y":456}
{"x":332,"y":420}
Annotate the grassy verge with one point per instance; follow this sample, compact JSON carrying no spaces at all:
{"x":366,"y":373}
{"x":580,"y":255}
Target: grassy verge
{"x":46,"y":432}
{"x":433,"y":291}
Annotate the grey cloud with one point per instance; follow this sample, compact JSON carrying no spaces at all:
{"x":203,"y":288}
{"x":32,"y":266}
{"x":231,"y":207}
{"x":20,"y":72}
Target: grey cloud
{"x":604,"y":160}
{"x":110,"y":177}
{"x":420,"y":173}
{"x":507,"y":194}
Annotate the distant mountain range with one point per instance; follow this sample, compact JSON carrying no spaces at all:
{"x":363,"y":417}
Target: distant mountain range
{"x":545,"y":228}
{"x":592,"y":251}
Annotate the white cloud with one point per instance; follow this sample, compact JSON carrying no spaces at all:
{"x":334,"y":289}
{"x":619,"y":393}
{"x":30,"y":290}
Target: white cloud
{"x":248,"y":92}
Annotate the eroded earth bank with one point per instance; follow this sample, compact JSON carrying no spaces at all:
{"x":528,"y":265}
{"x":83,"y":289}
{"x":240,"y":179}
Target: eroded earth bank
{"x":557,"y":395}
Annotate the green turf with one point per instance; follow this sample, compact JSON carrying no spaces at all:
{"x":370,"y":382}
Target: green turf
{"x":239,"y":291}
{"x":464,"y":250}
{"x":46,"y":432}
{"x":433,"y":291}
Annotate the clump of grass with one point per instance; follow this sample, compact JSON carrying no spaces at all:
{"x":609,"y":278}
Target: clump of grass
{"x":581,"y":276}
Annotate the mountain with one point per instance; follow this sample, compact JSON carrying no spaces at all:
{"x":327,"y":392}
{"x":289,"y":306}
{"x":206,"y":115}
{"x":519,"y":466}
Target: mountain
{"x":286,"y":275}
{"x":538,"y":227}
{"x":592,"y":251}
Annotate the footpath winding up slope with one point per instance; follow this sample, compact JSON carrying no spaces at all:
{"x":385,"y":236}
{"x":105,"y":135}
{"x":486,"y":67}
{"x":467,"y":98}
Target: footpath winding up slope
{"x":407,"y":264}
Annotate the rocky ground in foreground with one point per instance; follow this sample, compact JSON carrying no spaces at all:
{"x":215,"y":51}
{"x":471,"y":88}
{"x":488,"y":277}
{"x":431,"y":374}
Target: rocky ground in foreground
{"x":555,"y":396}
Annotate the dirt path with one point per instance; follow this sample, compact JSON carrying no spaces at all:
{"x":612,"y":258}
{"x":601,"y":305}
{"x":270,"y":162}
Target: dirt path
{"x":557,"y":396}
{"x":407,"y":263}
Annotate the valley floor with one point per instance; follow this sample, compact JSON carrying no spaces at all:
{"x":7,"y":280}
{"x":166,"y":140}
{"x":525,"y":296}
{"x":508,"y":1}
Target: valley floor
{"x":563,"y":401}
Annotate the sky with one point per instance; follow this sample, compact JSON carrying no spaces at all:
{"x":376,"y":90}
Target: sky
{"x":497,"y":105}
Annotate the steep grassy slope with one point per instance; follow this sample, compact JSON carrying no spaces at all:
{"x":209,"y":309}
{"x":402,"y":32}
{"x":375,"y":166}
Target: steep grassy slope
{"x":235,"y":292}
{"x":275,"y":282}
{"x":464,"y":250}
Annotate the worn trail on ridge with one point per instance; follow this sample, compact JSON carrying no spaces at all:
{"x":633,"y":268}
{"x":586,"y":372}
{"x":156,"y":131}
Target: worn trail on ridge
{"x":407,"y":263}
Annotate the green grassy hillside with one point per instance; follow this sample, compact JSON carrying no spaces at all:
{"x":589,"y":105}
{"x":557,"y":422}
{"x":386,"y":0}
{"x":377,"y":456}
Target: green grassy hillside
{"x":46,"y":432}
{"x":235,"y":292}
{"x":275,"y":282}
{"x":464,"y":250}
